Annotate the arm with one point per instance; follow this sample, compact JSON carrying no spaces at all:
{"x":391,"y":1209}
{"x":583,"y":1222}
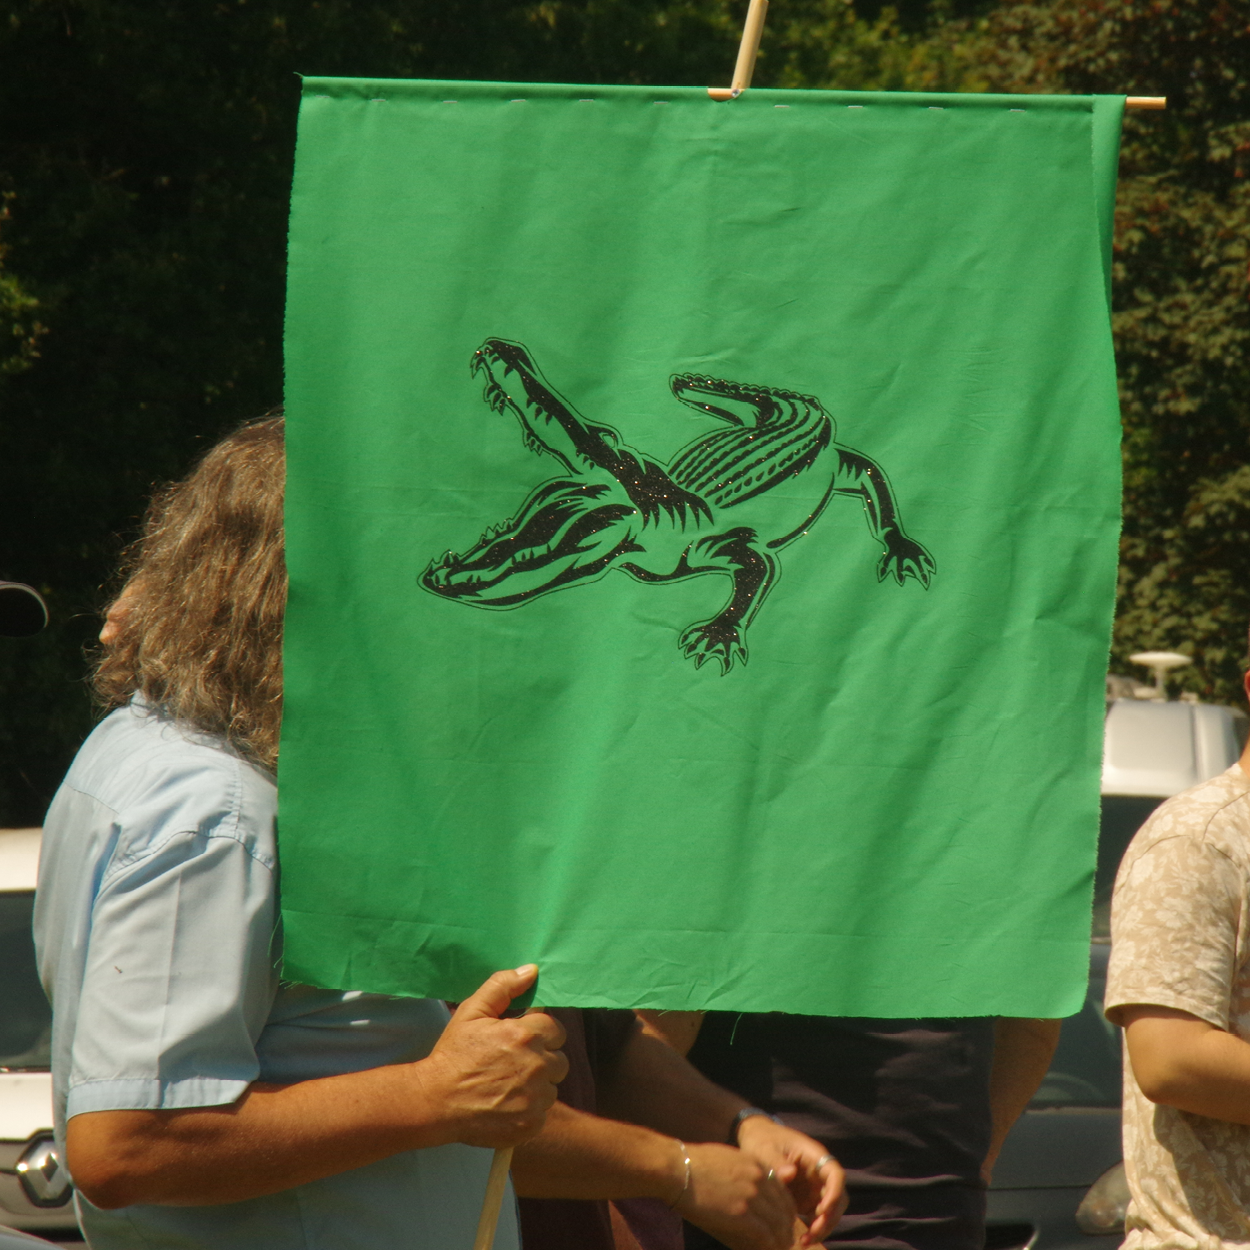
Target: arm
{"x":579,"y":1155}
{"x":652,"y":1084}
{"x":1186,"y":1063}
{"x":487,"y":1082}
{"x":680,"y":1029}
{"x":1174,"y":961}
{"x":1023,"y":1050}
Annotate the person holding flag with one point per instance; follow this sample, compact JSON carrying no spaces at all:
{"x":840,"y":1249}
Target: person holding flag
{"x":203,"y":1102}
{"x":199,"y":1100}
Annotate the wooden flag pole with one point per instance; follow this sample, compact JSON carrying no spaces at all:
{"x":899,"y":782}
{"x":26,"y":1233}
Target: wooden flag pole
{"x":748,"y":49}
{"x":493,"y":1198}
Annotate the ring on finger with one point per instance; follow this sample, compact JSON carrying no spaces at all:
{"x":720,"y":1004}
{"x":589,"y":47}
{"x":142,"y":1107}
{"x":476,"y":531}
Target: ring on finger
{"x":823,"y":1160}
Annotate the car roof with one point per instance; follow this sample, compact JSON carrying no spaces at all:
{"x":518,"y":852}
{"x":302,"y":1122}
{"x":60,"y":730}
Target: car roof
{"x":19,"y":858}
{"x":1158,"y":749}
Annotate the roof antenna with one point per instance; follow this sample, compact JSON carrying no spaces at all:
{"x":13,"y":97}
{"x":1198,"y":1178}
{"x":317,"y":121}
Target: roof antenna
{"x":1160,"y":663}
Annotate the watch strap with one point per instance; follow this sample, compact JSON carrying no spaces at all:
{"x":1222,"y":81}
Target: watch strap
{"x":745,"y":1114}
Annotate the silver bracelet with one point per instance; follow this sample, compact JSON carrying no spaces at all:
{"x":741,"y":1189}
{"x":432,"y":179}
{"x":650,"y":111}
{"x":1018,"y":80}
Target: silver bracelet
{"x":685,"y":1185}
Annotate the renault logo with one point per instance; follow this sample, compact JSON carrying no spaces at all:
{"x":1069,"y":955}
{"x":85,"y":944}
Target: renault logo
{"x":44,"y":1181}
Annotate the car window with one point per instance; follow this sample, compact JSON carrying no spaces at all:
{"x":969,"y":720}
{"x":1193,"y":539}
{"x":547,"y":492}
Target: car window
{"x":26,"y":1021}
{"x":1085,"y":1071}
{"x":1122,"y":816}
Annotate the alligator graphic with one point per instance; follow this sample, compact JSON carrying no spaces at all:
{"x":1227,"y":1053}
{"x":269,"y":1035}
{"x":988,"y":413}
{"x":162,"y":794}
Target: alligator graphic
{"x":719,"y":506}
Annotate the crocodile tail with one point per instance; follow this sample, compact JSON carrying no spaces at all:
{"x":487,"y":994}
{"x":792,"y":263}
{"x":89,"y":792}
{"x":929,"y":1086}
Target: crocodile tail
{"x":761,"y":405}
{"x":735,"y":464}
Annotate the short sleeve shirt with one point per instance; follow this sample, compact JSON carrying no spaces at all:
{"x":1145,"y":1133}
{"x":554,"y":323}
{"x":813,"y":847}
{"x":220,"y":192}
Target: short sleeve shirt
{"x":156,"y":933}
{"x":1180,"y":938}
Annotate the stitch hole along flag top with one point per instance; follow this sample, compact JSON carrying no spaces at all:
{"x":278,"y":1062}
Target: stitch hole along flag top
{"x":702,"y":527}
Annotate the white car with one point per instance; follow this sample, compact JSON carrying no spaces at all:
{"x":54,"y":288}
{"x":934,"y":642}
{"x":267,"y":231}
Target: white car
{"x":34,"y":1190}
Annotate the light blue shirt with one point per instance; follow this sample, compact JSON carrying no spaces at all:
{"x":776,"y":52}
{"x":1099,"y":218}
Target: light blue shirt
{"x":156,"y":931}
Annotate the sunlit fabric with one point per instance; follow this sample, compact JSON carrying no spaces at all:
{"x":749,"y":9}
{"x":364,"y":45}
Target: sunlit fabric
{"x":702,"y":528}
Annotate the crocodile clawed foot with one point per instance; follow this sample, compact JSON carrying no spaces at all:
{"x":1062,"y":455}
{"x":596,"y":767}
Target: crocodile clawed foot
{"x":713,"y":640}
{"x":495,"y":396}
{"x":904,"y":558}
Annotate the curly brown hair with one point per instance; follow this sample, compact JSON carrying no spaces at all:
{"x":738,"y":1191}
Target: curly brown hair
{"x":197,"y":627}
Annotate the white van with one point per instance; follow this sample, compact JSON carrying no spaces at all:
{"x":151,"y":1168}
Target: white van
{"x":1151,"y":751}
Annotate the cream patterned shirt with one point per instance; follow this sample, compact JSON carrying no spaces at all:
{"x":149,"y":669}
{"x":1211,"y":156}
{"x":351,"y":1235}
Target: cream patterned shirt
{"x":1180,"y":934}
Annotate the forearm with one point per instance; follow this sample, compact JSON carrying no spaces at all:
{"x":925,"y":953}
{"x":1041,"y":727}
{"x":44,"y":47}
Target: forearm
{"x":273,"y":1138}
{"x":489,"y":1082}
{"x":680,"y":1029}
{"x":1023,"y":1049}
{"x":578,"y":1155}
{"x":652,"y":1084}
{"x":725,"y":1192}
{"x":1184,"y":1062}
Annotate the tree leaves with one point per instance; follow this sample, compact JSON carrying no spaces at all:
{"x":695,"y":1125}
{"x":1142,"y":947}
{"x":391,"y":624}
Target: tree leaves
{"x":1181,"y":304}
{"x":20,"y":328}
{"x":146,"y":150}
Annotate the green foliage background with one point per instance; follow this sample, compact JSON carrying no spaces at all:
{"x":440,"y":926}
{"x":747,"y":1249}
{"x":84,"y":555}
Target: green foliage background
{"x":145,"y":159}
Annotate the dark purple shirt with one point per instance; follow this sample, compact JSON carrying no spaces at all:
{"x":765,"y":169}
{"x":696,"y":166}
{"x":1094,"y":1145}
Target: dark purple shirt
{"x":903,"y":1105}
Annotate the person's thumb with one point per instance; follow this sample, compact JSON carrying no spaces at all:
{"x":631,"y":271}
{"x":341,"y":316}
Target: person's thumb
{"x":495,"y":995}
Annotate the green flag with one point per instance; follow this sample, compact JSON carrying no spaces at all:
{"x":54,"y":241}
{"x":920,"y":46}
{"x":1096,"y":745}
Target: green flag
{"x":702,"y":524}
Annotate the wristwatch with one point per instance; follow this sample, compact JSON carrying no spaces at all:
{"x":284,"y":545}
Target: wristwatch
{"x":745,"y":1114}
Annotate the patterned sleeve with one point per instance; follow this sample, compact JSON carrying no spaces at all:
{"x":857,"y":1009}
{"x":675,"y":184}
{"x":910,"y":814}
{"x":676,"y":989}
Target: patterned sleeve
{"x":1175,"y":917}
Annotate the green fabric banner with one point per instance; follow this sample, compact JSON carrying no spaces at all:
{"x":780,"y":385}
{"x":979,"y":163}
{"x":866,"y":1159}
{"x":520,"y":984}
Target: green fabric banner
{"x":702,"y":527}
